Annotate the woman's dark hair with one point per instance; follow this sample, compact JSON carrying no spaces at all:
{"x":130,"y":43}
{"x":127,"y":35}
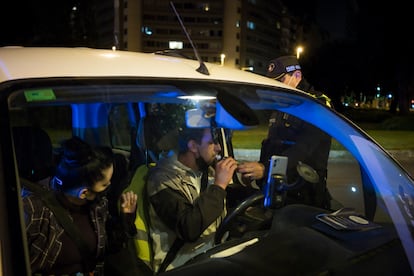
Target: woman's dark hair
{"x":81,"y":165}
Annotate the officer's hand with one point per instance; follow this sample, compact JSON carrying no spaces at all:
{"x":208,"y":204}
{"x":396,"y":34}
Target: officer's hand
{"x":251,"y":170}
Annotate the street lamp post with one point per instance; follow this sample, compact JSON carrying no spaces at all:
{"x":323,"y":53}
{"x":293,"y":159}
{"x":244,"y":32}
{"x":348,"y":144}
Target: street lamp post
{"x":299,"y":50}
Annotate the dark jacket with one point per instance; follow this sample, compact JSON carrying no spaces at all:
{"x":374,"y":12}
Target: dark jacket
{"x":299,"y":141}
{"x":179,"y":210}
{"x":45,"y":234}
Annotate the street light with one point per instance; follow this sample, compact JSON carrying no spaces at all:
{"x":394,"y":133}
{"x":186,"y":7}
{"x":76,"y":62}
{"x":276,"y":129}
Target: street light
{"x":222,"y":57}
{"x":299,"y":50}
{"x":247,"y":68}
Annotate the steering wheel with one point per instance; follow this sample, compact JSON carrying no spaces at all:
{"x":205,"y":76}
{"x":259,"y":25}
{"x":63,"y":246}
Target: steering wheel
{"x":240,"y":209}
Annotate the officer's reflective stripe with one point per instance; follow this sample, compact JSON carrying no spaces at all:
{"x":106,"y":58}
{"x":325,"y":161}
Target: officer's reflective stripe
{"x":327,"y":99}
{"x":322,"y":96}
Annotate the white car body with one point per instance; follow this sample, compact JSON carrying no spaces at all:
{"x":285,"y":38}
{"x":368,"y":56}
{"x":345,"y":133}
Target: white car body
{"x":101,"y":79}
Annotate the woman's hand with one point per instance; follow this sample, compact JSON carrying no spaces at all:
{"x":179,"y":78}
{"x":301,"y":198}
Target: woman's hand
{"x":129,"y":202}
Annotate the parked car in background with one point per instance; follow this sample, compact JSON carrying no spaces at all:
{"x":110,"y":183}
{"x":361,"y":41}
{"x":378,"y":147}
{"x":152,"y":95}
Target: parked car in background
{"x":136,"y":102}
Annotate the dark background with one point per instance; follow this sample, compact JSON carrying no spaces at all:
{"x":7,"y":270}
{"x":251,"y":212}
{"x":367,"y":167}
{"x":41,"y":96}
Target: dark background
{"x":369,"y":46}
{"x":366,"y":44}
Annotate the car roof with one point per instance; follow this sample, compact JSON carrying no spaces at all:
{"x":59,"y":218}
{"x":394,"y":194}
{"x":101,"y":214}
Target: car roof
{"x":44,"y":63}
{"x":37,"y":62}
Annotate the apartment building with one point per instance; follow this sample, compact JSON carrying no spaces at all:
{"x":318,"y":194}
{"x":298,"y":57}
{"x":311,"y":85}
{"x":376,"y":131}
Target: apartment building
{"x":243,"y":34}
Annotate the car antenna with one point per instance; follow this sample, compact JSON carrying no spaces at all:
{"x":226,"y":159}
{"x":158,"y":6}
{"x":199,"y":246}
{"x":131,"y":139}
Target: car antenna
{"x":203,"y":68}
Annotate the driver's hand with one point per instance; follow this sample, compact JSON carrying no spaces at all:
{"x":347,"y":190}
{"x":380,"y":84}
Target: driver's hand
{"x":251,"y":170}
{"x":224,"y":171}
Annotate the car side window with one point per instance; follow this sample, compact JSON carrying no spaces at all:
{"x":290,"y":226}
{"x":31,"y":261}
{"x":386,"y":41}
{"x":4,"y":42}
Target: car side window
{"x":58,"y":126}
{"x":346,"y":189}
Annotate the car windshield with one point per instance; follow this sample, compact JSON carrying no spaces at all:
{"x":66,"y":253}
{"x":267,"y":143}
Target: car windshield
{"x":139,"y":118}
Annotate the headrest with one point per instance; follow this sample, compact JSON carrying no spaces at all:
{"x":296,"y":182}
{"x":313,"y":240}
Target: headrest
{"x":34,"y":152}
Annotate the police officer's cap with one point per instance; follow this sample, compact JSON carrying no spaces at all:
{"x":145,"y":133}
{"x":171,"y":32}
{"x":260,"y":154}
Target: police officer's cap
{"x":280,"y":66}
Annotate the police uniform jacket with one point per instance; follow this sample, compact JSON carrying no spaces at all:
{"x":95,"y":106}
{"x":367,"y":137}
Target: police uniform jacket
{"x":300,"y":141}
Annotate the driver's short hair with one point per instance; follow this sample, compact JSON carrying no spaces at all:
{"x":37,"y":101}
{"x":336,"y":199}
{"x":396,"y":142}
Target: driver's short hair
{"x":187,"y":134}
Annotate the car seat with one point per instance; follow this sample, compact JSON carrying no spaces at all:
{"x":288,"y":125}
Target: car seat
{"x":137,"y":184}
{"x":34,"y":153}
{"x":154,"y":142}
{"x":142,"y":240}
{"x":119,"y":181}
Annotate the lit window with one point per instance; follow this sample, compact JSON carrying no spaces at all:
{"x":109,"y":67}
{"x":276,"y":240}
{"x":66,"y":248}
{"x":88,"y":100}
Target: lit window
{"x":278,"y":26}
{"x":206,"y":7}
{"x":175,"y":44}
{"x":251,"y":25}
{"x":147,"y":30}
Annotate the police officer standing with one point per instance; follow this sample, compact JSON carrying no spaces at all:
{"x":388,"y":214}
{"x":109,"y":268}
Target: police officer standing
{"x":299,"y":141}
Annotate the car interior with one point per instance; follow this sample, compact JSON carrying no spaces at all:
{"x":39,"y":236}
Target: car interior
{"x":139,"y":121}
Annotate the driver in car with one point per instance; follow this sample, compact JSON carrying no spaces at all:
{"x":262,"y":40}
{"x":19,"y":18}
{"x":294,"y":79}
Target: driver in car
{"x":186,"y":206}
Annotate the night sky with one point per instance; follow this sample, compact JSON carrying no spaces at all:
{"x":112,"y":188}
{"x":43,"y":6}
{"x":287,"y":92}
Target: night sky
{"x":370,"y":45}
